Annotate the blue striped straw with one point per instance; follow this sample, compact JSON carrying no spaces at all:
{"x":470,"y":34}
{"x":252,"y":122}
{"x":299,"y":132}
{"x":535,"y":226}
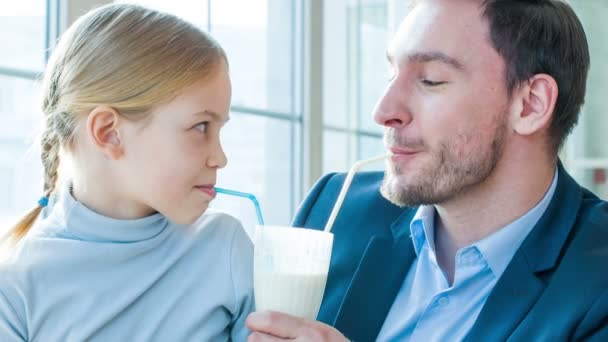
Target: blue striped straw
{"x":251,"y":197}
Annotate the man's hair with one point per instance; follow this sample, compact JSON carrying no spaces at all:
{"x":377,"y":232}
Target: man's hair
{"x":543,"y":36}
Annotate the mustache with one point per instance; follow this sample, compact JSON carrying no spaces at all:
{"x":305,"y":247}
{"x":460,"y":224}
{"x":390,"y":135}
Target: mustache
{"x":391,"y":138}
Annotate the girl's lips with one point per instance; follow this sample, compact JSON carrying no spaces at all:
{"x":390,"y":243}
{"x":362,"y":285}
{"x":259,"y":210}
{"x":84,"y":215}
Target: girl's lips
{"x":208,"y":189}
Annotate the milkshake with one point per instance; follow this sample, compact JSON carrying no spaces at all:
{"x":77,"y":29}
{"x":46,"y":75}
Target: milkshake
{"x":290,"y":269}
{"x":296,"y":294}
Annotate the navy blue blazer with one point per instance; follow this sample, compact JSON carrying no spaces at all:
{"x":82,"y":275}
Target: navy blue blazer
{"x":554,"y":289}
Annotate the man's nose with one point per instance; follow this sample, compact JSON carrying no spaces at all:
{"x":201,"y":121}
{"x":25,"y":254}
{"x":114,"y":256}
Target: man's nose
{"x":392,"y":110}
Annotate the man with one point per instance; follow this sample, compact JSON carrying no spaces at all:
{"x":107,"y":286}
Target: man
{"x":489,"y":238}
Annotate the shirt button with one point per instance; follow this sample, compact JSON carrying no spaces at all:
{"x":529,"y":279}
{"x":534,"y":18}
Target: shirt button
{"x":443,"y":301}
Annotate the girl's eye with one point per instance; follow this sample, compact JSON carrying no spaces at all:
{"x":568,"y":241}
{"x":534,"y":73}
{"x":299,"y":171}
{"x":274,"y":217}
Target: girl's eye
{"x":430,"y":83}
{"x":202,"y":126}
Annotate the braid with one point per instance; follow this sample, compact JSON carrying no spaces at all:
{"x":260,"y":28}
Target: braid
{"x":50,"y":159}
{"x":50,"y":140}
{"x":50,"y":144}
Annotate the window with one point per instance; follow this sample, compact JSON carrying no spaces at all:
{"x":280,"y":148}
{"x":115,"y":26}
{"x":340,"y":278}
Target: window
{"x":23,"y":34}
{"x":356,"y":73}
{"x":263,"y":40}
{"x":586,"y":152}
{"x":24,"y":37}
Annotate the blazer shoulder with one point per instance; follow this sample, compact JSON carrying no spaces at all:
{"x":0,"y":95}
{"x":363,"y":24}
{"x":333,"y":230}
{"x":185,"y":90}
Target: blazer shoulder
{"x":592,"y":223}
{"x":326,"y":190}
{"x":587,"y":253}
{"x":595,"y":211}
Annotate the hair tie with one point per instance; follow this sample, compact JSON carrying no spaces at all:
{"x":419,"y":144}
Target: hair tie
{"x":43,"y":201}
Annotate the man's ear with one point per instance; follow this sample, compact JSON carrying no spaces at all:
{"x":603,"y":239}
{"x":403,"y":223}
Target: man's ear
{"x":537,"y":98}
{"x":102,"y":128}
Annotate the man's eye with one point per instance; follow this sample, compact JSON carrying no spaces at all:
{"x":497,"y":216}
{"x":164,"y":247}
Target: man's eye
{"x":430,"y":83}
{"x":202,"y":126}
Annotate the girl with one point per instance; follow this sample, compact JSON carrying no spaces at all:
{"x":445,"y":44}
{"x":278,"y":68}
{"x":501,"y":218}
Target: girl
{"x":137,"y":99}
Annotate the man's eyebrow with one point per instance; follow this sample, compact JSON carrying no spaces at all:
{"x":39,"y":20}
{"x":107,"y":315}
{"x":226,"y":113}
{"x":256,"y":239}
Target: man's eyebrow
{"x":435,"y":56}
{"x":214,"y":115}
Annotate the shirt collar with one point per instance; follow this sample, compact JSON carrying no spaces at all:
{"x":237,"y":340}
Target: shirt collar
{"x":498,"y":248}
{"x":422,"y":228}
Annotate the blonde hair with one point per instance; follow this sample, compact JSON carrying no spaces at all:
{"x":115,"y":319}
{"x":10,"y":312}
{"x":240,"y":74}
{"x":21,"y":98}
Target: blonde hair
{"x":128,"y":57}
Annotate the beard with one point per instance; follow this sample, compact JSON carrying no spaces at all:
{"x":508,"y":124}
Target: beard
{"x":453,"y":168}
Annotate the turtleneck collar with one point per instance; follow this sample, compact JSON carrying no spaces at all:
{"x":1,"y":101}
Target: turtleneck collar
{"x":86,"y":224}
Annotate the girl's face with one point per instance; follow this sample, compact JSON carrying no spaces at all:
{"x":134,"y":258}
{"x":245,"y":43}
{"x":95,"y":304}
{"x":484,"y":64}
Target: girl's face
{"x":171,"y":158}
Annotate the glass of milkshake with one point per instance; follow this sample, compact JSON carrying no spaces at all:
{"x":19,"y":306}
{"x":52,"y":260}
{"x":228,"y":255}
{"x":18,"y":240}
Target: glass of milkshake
{"x":290,"y":269}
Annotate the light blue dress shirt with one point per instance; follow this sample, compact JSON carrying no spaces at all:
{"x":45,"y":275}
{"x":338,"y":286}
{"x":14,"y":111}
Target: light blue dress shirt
{"x":426,"y":307}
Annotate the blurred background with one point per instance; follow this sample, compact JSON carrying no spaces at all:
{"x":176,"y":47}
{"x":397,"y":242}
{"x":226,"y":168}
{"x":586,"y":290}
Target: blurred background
{"x":306,"y":75}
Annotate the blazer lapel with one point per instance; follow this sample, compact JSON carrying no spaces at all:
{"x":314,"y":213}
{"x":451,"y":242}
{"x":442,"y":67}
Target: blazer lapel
{"x":376,"y":282}
{"x":520,"y":287}
{"x":508,"y":303}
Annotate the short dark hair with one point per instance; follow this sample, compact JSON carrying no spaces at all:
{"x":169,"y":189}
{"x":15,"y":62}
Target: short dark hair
{"x":543,"y":36}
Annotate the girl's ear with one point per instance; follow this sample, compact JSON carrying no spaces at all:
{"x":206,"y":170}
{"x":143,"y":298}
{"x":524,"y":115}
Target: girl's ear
{"x":102,"y":129}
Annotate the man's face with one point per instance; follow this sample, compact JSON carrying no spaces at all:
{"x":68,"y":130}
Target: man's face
{"x":445,"y":109}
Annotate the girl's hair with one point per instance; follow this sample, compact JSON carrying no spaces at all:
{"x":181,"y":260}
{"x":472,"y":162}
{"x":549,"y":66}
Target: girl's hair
{"x":125,"y":56}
